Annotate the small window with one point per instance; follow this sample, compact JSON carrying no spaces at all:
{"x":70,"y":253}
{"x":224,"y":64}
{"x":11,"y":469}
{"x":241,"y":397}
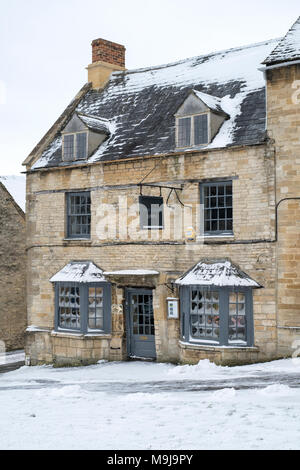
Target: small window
{"x":79,"y":215}
{"x":217,"y":315}
{"x":192,"y":131}
{"x":217,"y":200}
{"x":151,"y":212}
{"x":75,"y":146}
{"x":83,"y":307}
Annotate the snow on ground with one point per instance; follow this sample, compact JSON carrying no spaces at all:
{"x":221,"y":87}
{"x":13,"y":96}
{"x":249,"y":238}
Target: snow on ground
{"x":12,"y":357}
{"x":142,"y":405}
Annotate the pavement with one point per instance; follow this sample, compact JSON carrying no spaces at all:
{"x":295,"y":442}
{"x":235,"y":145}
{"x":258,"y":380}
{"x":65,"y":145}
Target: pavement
{"x":11,"y":360}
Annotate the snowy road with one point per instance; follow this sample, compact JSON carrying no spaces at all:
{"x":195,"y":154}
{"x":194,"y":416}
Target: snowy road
{"x":142,"y":405}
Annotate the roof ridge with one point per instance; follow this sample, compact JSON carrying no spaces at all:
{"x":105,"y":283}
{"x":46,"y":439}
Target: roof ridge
{"x":181,"y":61}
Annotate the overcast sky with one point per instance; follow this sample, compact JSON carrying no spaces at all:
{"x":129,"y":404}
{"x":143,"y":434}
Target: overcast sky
{"x":46,"y":45}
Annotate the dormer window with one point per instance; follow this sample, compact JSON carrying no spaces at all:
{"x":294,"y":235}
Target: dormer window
{"x":82,"y":136}
{"x":75,"y":146}
{"x":198,"y":120}
{"x":192,"y":130}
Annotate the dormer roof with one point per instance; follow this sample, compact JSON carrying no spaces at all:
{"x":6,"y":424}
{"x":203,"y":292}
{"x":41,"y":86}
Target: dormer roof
{"x":212,"y":102}
{"x":94,"y":123}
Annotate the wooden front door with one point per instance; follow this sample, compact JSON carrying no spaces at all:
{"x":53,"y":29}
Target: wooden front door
{"x":140,"y":323}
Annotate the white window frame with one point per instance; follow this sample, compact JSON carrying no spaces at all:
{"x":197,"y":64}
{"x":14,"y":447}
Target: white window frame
{"x":192,"y":144}
{"x":75,"y":145}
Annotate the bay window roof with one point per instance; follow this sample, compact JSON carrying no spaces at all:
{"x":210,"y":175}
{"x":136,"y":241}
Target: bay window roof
{"x":220,"y":273}
{"x":79,"y":271}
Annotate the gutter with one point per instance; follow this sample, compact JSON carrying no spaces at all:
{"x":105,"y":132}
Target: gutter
{"x":277,"y":66}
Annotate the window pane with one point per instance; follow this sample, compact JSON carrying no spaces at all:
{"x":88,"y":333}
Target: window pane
{"x":69,"y":307}
{"x":217,"y":207}
{"x":81,"y":140}
{"x":200,"y":129}
{"x":95,"y":317}
{"x":205,"y":314}
{"x":237,"y":317}
{"x":68,"y":147}
{"x":79,"y":217}
{"x":184,"y":132}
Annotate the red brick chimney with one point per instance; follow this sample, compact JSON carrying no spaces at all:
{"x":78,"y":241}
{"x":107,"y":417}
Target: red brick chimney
{"x":109,"y":52}
{"x":107,"y":57}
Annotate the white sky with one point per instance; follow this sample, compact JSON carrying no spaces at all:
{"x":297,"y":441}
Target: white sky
{"x":46,"y":45}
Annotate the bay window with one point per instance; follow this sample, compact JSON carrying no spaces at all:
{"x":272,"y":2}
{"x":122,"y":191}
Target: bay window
{"x":83,"y":307}
{"x":217,"y":315}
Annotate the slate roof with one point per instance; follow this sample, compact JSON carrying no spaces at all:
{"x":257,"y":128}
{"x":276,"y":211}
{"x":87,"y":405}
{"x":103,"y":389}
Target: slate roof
{"x":140,"y":104}
{"x":219,"y":273}
{"x":288,"y":49}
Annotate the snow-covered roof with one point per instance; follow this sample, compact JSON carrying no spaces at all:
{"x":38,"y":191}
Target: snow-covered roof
{"x":94,"y":123}
{"x":288,"y":48}
{"x":132,"y":272}
{"x":16,"y":186}
{"x":141,"y":104}
{"x":79,"y":271}
{"x":212,"y":102}
{"x":219,"y":273}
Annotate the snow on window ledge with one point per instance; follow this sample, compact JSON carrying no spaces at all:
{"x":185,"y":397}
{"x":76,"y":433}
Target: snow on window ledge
{"x":71,"y":334}
{"x":216,"y":346}
{"x":34,"y":328}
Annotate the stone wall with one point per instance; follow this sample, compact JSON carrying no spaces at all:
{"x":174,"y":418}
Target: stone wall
{"x":283,"y":126}
{"x":12,"y":272}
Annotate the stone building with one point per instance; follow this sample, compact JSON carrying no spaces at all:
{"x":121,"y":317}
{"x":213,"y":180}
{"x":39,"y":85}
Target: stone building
{"x":163,"y":211}
{"x":12,"y":263}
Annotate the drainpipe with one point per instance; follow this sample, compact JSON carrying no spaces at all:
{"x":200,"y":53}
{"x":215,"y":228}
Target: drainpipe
{"x":276,"y":212}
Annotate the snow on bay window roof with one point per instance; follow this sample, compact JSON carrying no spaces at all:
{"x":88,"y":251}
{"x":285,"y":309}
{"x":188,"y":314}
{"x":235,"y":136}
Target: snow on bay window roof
{"x":288,"y":49}
{"x":220,"y":273}
{"x":140,"y":105}
{"x":79,"y":271}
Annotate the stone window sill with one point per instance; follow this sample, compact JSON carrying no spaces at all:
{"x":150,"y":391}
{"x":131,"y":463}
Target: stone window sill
{"x":212,"y":238}
{"x":86,"y":240}
{"x":207,"y":347}
{"x":70,"y":334}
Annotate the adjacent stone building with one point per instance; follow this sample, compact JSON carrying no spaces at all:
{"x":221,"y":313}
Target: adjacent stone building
{"x":163,"y":212}
{"x":12,"y":264}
